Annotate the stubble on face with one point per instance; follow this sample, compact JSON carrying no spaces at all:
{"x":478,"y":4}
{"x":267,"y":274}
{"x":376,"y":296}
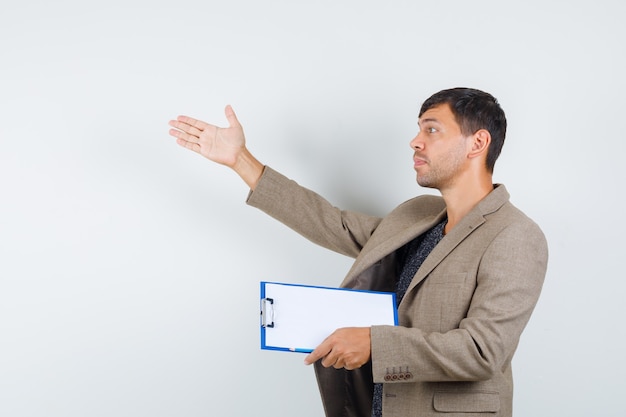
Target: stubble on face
{"x":443,"y":153}
{"x":442,"y":170}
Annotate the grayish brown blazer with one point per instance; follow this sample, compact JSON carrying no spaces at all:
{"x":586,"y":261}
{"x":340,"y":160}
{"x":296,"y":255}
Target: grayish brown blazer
{"x":460,"y":320}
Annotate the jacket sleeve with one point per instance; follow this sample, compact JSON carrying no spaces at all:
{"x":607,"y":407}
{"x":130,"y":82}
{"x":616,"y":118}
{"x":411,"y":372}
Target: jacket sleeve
{"x":309,"y":214}
{"x":507,"y":283}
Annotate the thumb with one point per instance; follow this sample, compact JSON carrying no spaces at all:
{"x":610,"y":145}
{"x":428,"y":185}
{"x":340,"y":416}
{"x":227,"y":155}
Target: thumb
{"x":231,"y":117}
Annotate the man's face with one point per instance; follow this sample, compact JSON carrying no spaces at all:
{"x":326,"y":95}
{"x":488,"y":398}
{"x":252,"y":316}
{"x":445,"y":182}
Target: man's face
{"x":440,"y":149}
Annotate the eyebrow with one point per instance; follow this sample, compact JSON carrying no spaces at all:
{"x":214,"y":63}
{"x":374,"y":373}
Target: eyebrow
{"x":429,"y":120}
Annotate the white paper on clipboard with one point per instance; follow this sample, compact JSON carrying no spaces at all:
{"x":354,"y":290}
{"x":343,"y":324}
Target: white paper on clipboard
{"x":298,"y":318}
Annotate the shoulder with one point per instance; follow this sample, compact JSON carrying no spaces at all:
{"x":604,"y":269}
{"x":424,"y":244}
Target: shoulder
{"x":517,"y":224}
{"x":510,"y":224}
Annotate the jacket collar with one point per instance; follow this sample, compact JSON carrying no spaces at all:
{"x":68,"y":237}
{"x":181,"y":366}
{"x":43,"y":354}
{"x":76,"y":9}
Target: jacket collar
{"x":468,"y":224}
{"x":395,"y":238}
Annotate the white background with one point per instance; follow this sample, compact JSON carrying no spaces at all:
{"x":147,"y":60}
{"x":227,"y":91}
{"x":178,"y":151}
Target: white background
{"x":129,"y":266}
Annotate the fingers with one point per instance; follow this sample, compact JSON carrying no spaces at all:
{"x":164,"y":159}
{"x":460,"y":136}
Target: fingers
{"x":195,"y":123}
{"x":217,"y":144}
{"x":191,"y":127}
{"x":188,"y":129}
{"x":319,"y":352}
{"x":183,"y":136}
{"x":329,"y":358}
{"x":195,"y":127}
{"x":347,"y":348}
{"x":336,"y":363}
{"x":186,"y":135}
{"x":327,"y":354}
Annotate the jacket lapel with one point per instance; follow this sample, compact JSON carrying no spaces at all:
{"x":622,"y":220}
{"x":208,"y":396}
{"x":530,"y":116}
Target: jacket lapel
{"x":378,"y":251}
{"x":397,"y":234}
{"x":445,"y":246}
{"x":472,"y":221}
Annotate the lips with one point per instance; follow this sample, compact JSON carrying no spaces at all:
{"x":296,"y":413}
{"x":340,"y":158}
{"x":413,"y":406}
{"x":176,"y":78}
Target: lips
{"x":417,"y":161}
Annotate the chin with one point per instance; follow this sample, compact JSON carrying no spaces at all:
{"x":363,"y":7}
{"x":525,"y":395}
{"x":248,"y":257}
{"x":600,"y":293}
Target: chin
{"x":426,"y":183}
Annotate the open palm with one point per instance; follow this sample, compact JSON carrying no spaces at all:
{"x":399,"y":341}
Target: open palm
{"x":221,"y":145}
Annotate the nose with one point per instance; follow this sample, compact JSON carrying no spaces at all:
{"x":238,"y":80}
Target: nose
{"x":417,"y":143}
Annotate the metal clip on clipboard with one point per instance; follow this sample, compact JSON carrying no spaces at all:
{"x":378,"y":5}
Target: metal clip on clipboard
{"x":267,"y":312}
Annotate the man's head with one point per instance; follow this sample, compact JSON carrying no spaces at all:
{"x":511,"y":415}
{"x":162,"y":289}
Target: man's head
{"x":474,"y":110}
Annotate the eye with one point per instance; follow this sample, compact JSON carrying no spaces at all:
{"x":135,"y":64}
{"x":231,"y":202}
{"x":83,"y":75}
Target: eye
{"x":431,"y":130}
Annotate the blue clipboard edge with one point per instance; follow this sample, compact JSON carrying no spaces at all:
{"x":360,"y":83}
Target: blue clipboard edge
{"x":264,"y":346}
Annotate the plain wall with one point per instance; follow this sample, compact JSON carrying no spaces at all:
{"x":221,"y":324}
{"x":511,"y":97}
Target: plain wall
{"x":130,"y":267}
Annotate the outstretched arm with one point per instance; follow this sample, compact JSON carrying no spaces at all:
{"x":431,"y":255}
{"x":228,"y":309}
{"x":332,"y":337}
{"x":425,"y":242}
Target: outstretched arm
{"x":224,"y":145}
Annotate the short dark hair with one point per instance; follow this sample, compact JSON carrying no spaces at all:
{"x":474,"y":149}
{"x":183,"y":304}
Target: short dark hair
{"x":474,"y":110}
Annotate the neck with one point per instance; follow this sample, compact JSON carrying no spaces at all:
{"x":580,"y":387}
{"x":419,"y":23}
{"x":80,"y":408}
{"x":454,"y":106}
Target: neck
{"x":463,"y":196}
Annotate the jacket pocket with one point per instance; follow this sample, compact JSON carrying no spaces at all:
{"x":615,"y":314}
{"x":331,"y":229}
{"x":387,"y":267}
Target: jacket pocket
{"x":467,"y":402}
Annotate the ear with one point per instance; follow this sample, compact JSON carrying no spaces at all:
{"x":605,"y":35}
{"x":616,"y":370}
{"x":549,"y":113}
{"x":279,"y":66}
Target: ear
{"x":479,"y":143}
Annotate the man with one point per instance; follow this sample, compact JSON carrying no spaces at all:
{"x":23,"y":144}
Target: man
{"x":467,"y":267}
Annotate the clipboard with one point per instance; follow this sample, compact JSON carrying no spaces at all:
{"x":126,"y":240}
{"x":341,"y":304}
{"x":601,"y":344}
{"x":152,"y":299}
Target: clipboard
{"x":297,"y":318}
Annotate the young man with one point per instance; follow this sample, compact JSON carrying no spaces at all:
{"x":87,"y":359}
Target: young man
{"x":467,"y":267}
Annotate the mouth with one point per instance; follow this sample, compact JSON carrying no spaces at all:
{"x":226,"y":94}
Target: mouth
{"x":418,"y":162}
